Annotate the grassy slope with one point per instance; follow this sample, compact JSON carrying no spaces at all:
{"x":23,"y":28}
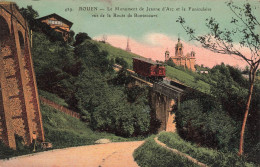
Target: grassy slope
{"x":205,"y":155}
{"x":117,"y":52}
{"x":187,"y":79}
{"x":62,"y":131}
{"x":53,"y":98}
{"x":151,"y":154}
{"x":171,"y":72}
{"x":65,"y":131}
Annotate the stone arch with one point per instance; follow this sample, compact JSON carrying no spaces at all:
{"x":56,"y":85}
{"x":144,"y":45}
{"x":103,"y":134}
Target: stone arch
{"x":22,"y":44}
{"x":21,"y":40}
{"x":4,"y":50}
{"x":4,"y":30}
{"x":4,"y":27}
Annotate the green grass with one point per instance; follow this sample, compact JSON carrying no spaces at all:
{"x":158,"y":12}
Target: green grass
{"x":6,"y":152}
{"x":53,"y":98}
{"x":187,"y":79}
{"x":150,"y":154}
{"x":208,"y":156}
{"x":65,"y":131}
{"x":114,"y":52}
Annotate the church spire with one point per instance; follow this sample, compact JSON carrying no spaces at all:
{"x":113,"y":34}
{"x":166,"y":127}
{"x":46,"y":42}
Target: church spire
{"x":128,"y":49}
{"x":179,"y":48}
{"x":167,"y":55}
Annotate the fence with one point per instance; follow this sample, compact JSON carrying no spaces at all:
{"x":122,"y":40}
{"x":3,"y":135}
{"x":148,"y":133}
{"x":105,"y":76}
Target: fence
{"x":60,"y":108}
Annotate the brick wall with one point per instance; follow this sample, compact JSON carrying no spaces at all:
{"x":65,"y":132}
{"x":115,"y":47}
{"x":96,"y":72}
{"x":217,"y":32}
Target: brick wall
{"x":19,"y":103}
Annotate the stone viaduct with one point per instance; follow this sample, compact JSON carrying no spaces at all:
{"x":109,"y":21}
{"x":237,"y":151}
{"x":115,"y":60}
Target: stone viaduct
{"x":162,"y":98}
{"x":19,"y":104}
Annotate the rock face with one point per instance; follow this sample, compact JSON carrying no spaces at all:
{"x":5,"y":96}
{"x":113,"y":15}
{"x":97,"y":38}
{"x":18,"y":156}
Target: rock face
{"x":102,"y":141}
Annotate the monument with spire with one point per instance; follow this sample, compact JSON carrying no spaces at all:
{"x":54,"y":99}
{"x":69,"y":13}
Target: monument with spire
{"x":128,"y":49}
{"x":187,"y":61}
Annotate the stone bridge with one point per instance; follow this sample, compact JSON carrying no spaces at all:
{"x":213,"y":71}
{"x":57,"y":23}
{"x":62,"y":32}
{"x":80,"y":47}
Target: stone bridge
{"x":162,"y":100}
{"x":162,"y":97}
{"x":19,"y":104}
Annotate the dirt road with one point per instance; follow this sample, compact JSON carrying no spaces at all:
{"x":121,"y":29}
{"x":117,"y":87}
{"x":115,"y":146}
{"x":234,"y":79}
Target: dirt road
{"x":101,"y":155}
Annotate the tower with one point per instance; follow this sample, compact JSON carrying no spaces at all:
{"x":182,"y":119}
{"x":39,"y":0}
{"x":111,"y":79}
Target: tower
{"x":128,"y":49}
{"x":179,"y":49}
{"x":167,"y":55}
{"x":192,"y":60}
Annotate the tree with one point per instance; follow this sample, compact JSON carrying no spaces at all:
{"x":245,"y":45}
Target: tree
{"x":71,"y":36}
{"x":243,"y":34}
{"x":30,"y":15}
{"x":81,"y":37}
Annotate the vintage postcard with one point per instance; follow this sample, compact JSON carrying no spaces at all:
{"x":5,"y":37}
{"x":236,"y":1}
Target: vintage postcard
{"x":129,"y":82}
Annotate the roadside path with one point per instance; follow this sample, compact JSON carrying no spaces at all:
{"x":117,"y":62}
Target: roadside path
{"x":102,"y":155}
{"x":180,"y":153}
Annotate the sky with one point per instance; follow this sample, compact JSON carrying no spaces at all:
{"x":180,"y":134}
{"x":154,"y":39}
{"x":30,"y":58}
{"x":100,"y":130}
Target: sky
{"x":148,"y":36}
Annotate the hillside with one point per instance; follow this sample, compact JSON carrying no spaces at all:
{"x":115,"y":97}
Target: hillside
{"x":151,"y":154}
{"x":217,"y":119}
{"x":114,"y":52}
{"x":65,"y":131}
{"x":186,"y":77}
{"x":62,"y":131}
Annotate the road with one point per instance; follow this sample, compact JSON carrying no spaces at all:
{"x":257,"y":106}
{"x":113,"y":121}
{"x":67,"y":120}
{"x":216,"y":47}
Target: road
{"x":102,"y":155}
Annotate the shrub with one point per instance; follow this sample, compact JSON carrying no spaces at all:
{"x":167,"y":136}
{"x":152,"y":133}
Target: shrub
{"x":207,"y":156}
{"x":202,"y":126}
{"x":122,"y":62}
{"x":150,"y":154}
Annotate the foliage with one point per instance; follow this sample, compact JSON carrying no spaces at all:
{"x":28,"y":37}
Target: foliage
{"x":65,"y":131}
{"x":244,"y":31}
{"x":107,"y":107}
{"x":114,"y":53}
{"x":170,"y":63}
{"x":7,"y":152}
{"x":55,"y":67}
{"x":123,"y":78}
{"x":71,"y":37}
{"x":30,"y":15}
{"x":150,"y":154}
{"x":232,"y":74}
{"x":121,"y":62}
{"x":228,"y":86}
{"x":91,"y":57}
{"x":199,"y":120}
{"x":208,"y":156}
{"x":82,"y":76}
{"x":228,"y":91}
{"x":53,"y":97}
{"x":80,"y":38}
